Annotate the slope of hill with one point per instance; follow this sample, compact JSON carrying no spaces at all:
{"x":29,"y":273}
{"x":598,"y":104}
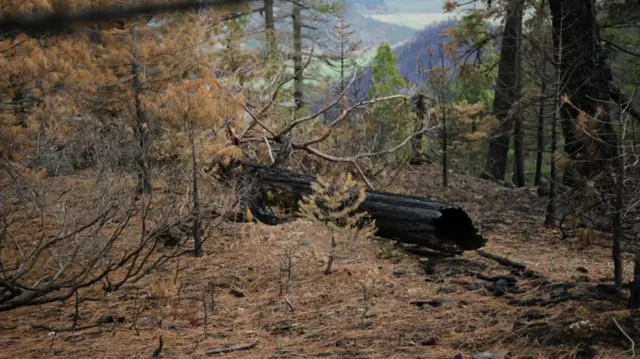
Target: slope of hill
{"x":412,"y":56}
{"x":372,"y":32}
{"x":260,"y":292}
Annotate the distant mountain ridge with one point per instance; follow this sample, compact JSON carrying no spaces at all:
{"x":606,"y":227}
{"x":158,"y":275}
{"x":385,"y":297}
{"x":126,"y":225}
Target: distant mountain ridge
{"x":370,"y":5}
{"x":411,"y":57}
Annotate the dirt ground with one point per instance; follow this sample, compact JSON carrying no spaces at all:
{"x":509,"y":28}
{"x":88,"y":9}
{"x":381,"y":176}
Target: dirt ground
{"x":262,"y":288}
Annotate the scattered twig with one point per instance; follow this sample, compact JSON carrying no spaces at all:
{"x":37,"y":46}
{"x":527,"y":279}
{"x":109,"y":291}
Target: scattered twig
{"x":135,"y":313}
{"x":266,"y":140}
{"x":232,"y":348}
{"x":53,"y":339}
{"x":76,"y":314}
{"x":633,"y":344}
{"x":204,"y":304}
{"x":69,"y":329}
{"x":503,"y":261}
{"x":286,"y":300}
{"x":156,"y":353}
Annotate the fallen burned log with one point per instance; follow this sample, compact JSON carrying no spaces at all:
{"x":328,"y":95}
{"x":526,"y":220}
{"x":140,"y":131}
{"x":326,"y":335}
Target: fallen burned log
{"x":404,"y":218}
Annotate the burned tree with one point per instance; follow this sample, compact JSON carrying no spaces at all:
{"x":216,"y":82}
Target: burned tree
{"x":507,"y":91}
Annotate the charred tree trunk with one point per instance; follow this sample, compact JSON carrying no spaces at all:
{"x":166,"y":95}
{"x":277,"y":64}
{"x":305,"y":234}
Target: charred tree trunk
{"x":270,"y":29}
{"x":143,"y":135}
{"x":590,"y":139}
{"x":518,"y":144}
{"x":420,"y":108}
{"x":586,"y":85}
{"x":507,"y":91}
{"x":297,"y":55}
{"x":407,"y":219}
{"x":540,"y":131}
{"x":634,"y":297}
{"x":197,"y":237}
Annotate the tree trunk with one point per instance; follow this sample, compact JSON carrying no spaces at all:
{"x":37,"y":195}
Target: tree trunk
{"x":142,"y":133}
{"x":540,"y":132}
{"x":297,"y":55}
{"x":518,"y":144}
{"x":590,"y":138}
{"x":407,"y":219}
{"x":445,"y":161}
{"x":270,"y":29}
{"x":550,"y":215}
{"x":420,"y":108}
{"x":586,"y":84}
{"x":197,"y":239}
{"x":507,"y":91}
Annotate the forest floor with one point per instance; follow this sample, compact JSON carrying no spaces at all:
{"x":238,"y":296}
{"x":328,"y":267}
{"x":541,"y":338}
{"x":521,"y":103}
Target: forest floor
{"x":376,"y":303}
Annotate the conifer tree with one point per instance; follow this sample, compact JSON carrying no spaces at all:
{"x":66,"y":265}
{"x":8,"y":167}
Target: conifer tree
{"x":386,"y":81}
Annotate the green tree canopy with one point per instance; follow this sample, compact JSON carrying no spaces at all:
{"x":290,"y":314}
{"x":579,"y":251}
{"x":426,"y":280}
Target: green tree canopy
{"x":386,"y":80}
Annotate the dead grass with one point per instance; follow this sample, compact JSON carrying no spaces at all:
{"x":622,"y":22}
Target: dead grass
{"x":363,"y":309}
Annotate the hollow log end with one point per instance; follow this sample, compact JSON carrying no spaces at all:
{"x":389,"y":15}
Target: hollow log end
{"x":455,"y":225}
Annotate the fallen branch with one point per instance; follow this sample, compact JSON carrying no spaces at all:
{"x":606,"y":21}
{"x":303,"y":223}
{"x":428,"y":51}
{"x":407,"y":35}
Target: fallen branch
{"x":633,"y":344}
{"x":519,"y":267}
{"x":501,"y":260}
{"x":65,"y":329}
{"x":232,"y":348}
{"x":156,"y":353}
{"x":544,"y":302}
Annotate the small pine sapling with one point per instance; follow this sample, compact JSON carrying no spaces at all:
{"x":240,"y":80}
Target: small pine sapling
{"x":333,"y":202}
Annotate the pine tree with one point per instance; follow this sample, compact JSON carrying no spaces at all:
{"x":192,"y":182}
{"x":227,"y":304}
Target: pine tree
{"x":385,"y":77}
{"x":386,"y":120}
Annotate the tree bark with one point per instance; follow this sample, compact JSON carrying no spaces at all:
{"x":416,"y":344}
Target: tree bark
{"x":407,"y":219}
{"x":590,"y":138}
{"x":586,"y":85}
{"x":270,"y":29}
{"x":540,"y":131}
{"x":197,"y":238}
{"x":518,"y":144}
{"x":297,"y":55}
{"x":142,"y":133}
{"x":420,"y":109}
{"x":507,"y":91}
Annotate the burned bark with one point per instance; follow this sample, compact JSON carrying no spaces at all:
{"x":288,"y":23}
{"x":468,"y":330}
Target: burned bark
{"x":507,"y":91}
{"x":634,"y":297}
{"x":576,"y":35}
{"x":297,"y":56}
{"x":404,"y":218}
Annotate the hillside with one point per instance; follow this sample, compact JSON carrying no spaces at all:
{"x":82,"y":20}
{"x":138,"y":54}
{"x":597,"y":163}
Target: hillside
{"x":166,"y":192}
{"x":411,"y":56}
{"x":243,"y":298}
{"x":372,"y":32}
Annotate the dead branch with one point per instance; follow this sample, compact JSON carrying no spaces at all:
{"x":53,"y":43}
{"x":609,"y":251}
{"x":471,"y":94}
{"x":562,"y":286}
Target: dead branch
{"x":520,"y":269}
{"x":232,"y":348}
{"x":156,"y":353}
{"x":633,"y":344}
{"x":65,"y":329}
{"x":256,"y":118}
{"x":503,"y":261}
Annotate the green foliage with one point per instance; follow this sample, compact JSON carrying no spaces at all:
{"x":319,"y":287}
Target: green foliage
{"x":386,"y":79}
{"x":629,"y":39}
{"x":473,"y":81}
